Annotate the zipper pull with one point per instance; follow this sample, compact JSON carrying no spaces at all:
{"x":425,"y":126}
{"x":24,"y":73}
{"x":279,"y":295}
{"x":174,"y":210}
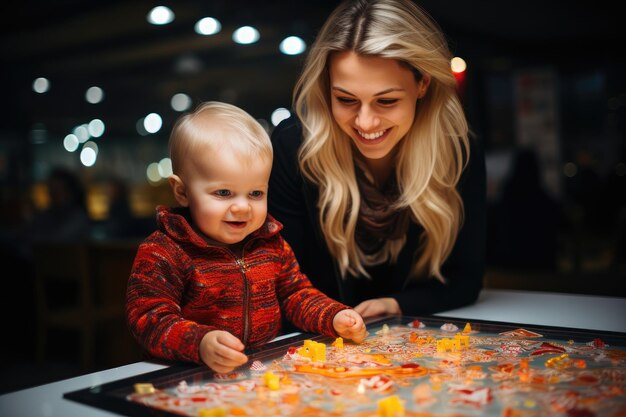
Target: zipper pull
{"x":242,"y":265}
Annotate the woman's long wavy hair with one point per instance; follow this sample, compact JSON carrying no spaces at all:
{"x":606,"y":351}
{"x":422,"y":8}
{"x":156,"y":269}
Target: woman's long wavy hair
{"x":430,"y":158}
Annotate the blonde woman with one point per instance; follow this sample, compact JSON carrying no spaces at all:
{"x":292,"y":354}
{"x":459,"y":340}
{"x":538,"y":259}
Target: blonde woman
{"x":379,"y":186}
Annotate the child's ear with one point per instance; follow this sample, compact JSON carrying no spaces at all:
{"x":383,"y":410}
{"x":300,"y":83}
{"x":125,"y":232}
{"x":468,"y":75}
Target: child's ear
{"x":179,"y":190}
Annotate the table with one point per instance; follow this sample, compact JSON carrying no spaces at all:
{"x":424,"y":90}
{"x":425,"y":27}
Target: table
{"x":47,"y":400}
{"x":541,"y":308}
{"x":548,"y":309}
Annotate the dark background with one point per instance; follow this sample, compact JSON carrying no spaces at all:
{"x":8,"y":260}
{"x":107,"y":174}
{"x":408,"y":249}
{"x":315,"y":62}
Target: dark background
{"x":542,"y":76}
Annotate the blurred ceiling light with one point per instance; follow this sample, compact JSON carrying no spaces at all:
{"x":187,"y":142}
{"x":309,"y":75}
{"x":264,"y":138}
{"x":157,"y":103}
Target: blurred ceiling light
{"x":152,"y":123}
{"x":94,"y":95}
{"x":228,"y":95}
{"x":207,"y":26}
{"x":165,"y":168}
{"x":279,"y":115}
{"x":41,"y":85}
{"x":91,"y":144}
{"x":139,"y":127}
{"x":188,"y":64}
{"x":246,"y":35}
{"x":96,"y":128}
{"x":570,"y":169}
{"x":180,"y":102}
{"x":265,"y":124}
{"x":458,"y":64}
{"x":152,"y":173}
{"x":70,"y":143}
{"x":292,"y":45}
{"x":82,"y":133}
{"x":89,"y":154}
{"x":160,"y":15}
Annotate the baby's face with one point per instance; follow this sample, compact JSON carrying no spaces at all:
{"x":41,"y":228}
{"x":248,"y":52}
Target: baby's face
{"x":227,"y":194}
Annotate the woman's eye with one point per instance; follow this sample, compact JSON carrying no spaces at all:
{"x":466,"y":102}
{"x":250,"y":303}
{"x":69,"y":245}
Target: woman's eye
{"x":256,"y":194}
{"x":222,"y":193}
{"x":387,"y":101}
{"x":345,"y":100}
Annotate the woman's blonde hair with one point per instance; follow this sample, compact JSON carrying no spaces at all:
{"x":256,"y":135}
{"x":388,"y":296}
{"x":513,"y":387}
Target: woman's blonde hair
{"x":430,"y":158}
{"x":218,"y":124}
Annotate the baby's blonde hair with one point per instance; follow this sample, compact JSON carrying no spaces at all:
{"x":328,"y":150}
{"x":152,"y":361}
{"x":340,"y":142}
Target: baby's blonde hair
{"x":218,"y":125}
{"x":431,"y":157}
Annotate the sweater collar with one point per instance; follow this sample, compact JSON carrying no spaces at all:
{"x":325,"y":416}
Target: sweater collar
{"x":175,"y":222}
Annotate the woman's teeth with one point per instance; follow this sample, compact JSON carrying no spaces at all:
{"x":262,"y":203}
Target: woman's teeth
{"x":372,"y":136}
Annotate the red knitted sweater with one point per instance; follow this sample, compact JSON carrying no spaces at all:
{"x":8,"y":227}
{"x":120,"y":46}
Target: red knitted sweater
{"x":181,"y":287}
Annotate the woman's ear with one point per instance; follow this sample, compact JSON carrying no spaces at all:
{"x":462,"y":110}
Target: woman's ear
{"x":423,"y":85}
{"x":179,"y":190}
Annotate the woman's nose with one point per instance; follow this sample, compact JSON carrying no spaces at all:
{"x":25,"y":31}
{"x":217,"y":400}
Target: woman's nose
{"x":366,"y":119}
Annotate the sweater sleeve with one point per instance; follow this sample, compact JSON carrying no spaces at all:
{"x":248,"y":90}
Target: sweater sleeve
{"x":302,"y":304}
{"x":153,"y":302}
{"x":465,"y":267}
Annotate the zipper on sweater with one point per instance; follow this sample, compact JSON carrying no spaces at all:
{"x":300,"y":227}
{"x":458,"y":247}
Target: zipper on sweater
{"x":246,"y":295}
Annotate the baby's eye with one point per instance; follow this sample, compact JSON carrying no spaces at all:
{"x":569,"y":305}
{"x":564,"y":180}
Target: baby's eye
{"x":222,"y":193}
{"x":387,"y":101}
{"x":345,"y":100}
{"x":257,"y":194}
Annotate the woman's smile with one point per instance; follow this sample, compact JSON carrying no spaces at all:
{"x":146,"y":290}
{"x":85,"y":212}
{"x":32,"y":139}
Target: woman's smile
{"x":373,"y":137}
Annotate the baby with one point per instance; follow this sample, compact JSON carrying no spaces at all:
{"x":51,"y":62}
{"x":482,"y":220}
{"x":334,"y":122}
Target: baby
{"x":217,"y":276}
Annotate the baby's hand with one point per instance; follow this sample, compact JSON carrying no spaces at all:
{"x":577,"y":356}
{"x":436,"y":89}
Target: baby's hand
{"x":349,"y":325}
{"x":221,"y":351}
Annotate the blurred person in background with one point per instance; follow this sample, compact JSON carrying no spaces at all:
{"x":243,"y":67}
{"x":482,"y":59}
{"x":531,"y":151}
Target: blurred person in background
{"x":526,"y":219}
{"x":66,"y":217}
{"x":120,"y":222}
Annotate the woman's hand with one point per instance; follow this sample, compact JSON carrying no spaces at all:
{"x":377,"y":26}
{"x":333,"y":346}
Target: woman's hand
{"x":349,"y":325}
{"x":221,"y":351}
{"x":378,"y":307}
